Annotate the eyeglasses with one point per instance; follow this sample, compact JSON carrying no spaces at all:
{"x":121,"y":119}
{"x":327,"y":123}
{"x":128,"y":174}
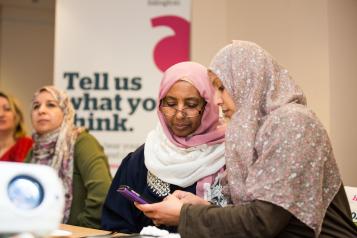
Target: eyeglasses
{"x":186,"y":111}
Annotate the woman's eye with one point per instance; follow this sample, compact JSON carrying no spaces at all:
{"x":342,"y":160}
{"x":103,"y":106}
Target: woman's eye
{"x":169,"y":104}
{"x":51,"y":105}
{"x":221,"y":88}
{"x":192,"y":105}
{"x":35,"y":106}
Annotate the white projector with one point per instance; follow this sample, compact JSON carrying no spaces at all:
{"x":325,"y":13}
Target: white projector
{"x":31,"y":199}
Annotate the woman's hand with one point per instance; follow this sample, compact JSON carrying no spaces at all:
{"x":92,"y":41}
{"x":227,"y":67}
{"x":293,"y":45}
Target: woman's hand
{"x":166,"y":212}
{"x":190,"y":198}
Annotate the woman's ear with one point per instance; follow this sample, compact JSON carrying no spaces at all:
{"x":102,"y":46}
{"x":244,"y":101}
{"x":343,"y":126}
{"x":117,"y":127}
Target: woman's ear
{"x":213,"y":78}
{"x":211,"y":75}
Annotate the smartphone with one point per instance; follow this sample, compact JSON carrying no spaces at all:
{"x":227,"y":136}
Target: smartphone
{"x":130,"y":194}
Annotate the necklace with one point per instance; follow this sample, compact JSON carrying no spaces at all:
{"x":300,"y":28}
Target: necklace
{"x":158,"y":186}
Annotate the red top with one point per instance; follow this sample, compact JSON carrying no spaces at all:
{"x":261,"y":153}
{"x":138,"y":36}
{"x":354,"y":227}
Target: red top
{"x":18,"y":152}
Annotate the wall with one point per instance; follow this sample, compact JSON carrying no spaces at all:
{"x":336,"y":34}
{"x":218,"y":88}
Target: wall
{"x":27,"y":34}
{"x":294,"y":32}
{"x":343,"y":73}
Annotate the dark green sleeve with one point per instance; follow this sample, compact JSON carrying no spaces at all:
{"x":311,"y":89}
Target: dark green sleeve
{"x":256,"y":219}
{"x":94,"y":173}
{"x":28,"y":156}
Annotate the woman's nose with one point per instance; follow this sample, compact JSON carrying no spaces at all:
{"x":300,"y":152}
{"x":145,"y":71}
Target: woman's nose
{"x":41,"y":109}
{"x":180,"y":113}
{"x":218,"y":99}
{"x":3,"y":111}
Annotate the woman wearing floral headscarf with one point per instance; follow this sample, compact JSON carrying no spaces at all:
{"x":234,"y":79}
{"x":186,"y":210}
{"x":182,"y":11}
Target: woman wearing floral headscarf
{"x":73,"y":152}
{"x":185,"y":151}
{"x":282,"y":176}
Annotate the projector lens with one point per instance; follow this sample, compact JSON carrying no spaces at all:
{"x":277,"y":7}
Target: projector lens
{"x":25,"y":192}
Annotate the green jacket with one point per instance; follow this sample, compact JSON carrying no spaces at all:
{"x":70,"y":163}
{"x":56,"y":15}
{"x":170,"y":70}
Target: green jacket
{"x":91,"y":181}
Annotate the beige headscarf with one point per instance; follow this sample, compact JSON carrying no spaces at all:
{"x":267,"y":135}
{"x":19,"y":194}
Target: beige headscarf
{"x":56,"y":148}
{"x":276,"y":149}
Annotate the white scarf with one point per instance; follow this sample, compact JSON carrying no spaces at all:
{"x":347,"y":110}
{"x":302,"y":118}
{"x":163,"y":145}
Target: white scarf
{"x":180,"y":166}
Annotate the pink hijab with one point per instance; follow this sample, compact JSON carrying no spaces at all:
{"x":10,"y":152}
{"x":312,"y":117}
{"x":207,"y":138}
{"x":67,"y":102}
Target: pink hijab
{"x":276,"y":148}
{"x":197,"y":75}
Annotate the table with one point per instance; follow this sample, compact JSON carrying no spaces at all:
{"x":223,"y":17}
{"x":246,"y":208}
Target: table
{"x":78,"y":232}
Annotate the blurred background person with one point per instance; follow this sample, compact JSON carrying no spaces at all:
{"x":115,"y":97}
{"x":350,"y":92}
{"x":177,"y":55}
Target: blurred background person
{"x":73,"y":152}
{"x":14,"y":144}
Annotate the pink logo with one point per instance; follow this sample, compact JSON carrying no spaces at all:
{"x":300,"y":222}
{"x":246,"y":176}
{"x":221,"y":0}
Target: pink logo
{"x":354,"y":198}
{"x":172,"y":49}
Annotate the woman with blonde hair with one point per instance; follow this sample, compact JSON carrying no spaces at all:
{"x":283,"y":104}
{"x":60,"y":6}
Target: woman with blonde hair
{"x":14,"y":144}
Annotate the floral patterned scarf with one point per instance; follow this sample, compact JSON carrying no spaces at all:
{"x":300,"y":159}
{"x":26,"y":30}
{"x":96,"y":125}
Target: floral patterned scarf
{"x":56,"y":148}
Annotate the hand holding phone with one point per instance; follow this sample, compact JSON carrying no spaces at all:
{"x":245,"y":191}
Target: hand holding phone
{"x":130,"y":194}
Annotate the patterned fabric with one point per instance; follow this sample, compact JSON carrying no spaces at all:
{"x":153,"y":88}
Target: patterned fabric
{"x":210,"y":188}
{"x":56,"y":148}
{"x":44,"y":148}
{"x":276,"y":149}
{"x":157,"y":186}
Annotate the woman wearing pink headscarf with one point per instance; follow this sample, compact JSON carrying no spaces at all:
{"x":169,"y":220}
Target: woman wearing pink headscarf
{"x":282,"y":177}
{"x":185,"y":151}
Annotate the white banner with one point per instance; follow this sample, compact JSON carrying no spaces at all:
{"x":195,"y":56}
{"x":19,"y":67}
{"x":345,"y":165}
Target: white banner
{"x":109,"y":57}
{"x":351,"y":193}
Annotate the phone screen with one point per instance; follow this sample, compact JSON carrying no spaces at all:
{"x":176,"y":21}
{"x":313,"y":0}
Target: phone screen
{"x":130,"y":194}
